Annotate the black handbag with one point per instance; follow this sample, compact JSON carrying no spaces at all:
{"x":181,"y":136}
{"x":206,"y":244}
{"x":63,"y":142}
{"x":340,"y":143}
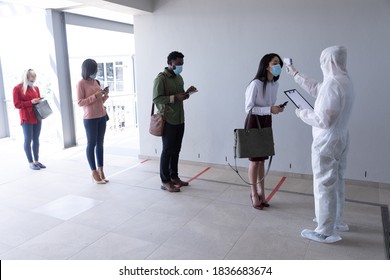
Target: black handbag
{"x":42,"y":110}
{"x":253,"y":142}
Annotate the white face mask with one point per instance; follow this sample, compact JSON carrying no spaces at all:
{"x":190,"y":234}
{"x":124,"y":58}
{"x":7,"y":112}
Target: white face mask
{"x":30,"y":84}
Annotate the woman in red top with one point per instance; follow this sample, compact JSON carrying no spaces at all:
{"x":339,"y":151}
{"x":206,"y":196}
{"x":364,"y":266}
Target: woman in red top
{"x":26,"y":95}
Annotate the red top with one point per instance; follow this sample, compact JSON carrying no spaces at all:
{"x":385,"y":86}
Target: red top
{"x":23,"y":103}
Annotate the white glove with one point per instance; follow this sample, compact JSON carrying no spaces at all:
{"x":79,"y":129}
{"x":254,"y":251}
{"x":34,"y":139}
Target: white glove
{"x":298,"y":112}
{"x":291,"y":70}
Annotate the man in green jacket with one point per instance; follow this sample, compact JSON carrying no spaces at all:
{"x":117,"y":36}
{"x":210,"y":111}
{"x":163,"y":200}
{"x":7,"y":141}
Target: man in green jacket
{"x":168,"y":95}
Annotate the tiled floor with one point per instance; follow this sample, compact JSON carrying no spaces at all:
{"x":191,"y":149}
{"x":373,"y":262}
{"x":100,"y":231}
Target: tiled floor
{"x":58,"y":213}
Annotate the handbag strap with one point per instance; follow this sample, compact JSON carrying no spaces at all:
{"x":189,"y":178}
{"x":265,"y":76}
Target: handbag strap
{"x":249,"y":118}
{"x":167,"y":94}
{"x":235,"y":169}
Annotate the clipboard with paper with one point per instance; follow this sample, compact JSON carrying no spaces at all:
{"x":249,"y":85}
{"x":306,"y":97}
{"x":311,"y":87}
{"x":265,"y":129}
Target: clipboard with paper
{"x":298,"y":99}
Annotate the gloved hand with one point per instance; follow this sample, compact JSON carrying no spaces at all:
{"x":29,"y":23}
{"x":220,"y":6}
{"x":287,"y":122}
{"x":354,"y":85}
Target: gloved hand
{"x":291,"y":70}
{"x":298,"y":112}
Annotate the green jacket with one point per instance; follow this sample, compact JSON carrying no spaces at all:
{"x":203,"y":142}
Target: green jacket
{"x":175,"y":110}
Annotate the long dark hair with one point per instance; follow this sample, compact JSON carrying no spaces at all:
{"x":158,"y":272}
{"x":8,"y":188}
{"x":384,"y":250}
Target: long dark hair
{"x":262,"y":71}
{"x":88,"y":68}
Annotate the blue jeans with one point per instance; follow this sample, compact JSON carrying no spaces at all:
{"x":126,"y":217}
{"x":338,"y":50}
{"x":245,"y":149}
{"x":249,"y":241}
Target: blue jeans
{"x":95,"y":130}
{"x":31,"y":135}
{"x":171,"y":140}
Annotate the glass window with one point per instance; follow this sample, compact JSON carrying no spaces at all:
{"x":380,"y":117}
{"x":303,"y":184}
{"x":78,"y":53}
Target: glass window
{"x":110,"y":71}
{"x":100,"y":72}
{"x":119,"y":78}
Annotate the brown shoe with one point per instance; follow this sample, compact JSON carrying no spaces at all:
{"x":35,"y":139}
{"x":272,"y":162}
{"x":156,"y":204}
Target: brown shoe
{"x":179,"y":182}
{"x":169,"y":186}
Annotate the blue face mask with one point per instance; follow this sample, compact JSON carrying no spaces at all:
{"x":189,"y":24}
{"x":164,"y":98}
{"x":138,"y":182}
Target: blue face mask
{"x":30,"y":84}
{"x":93,"y":76}
{"x":178,"y":69}
{"x":276,"y":70}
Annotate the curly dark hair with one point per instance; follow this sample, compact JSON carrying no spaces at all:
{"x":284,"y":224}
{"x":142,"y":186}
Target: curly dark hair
{"x":173,"y":56}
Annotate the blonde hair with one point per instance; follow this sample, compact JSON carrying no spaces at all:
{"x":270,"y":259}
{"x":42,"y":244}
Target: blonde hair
{"x":25,"y":79}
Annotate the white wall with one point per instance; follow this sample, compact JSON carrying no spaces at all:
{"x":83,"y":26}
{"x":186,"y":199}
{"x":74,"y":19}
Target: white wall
{"x":223,"y":41}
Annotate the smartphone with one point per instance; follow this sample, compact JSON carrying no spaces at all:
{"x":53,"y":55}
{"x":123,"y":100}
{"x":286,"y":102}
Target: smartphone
{"x":40,"y":98}
{"x":283,"y":105}
{"x":106,"y":88}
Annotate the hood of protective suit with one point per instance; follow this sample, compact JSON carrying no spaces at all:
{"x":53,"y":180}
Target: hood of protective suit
{"x":334,"y":61}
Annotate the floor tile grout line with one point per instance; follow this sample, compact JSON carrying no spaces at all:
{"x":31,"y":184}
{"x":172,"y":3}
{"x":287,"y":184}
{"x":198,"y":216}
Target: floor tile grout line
{"x":254,"y":217}
{"x":292,"y":192}
{"x":239,"y":238}
{"x":200,"y":210}
{"x":386,"y":227}
{"x":355,"y":201}
{"x":127,"y":169}
{"x":87,"y":246}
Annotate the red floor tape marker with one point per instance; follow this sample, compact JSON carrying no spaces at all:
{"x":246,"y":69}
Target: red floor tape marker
{"x":204,"y":171}
{"x":193,"y":178}
{"x":276,"y":188}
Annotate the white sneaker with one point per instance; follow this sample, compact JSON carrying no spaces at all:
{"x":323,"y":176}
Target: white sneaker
{"x":315,"y":236}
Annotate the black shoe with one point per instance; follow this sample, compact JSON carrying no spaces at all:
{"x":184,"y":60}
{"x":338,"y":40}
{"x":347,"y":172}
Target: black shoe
{"x":264,"y":203}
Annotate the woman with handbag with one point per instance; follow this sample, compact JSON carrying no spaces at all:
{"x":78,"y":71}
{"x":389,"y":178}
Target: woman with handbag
{"x":91,"y":97}
{"x":260,"y":98}
{"x":25,"y":96}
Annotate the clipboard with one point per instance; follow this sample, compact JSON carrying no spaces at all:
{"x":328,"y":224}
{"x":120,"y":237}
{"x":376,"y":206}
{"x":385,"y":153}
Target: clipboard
{"x":298,"y":99}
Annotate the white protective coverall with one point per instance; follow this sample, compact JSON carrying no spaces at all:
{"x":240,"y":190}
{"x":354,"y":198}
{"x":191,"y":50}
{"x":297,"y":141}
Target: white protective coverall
{"x":332,"y":110}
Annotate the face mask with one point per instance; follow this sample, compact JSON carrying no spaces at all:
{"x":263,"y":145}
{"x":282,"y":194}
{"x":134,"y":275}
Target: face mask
{"x":178,"y":69}
{"x":276,"y":70}
{"x":30,"y":83}
{"x":93,"y":76}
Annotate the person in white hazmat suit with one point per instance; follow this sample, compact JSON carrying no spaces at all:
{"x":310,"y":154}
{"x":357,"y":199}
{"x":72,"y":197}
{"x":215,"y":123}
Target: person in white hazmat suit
{"x":329,"y":119}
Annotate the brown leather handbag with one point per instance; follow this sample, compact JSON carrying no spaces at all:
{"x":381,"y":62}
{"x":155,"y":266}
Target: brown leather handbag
{"x":157,"y":121}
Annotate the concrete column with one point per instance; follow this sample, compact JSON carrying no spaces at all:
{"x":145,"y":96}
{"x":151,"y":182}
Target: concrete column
{"x":59,"y":59}
{"x":4,"y":125}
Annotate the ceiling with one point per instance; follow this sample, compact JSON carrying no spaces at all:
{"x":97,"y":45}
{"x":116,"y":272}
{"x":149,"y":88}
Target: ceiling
{"x":115,"y":10}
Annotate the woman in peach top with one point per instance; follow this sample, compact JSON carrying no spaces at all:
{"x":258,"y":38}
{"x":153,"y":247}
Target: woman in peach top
{"x":91,"y":97}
